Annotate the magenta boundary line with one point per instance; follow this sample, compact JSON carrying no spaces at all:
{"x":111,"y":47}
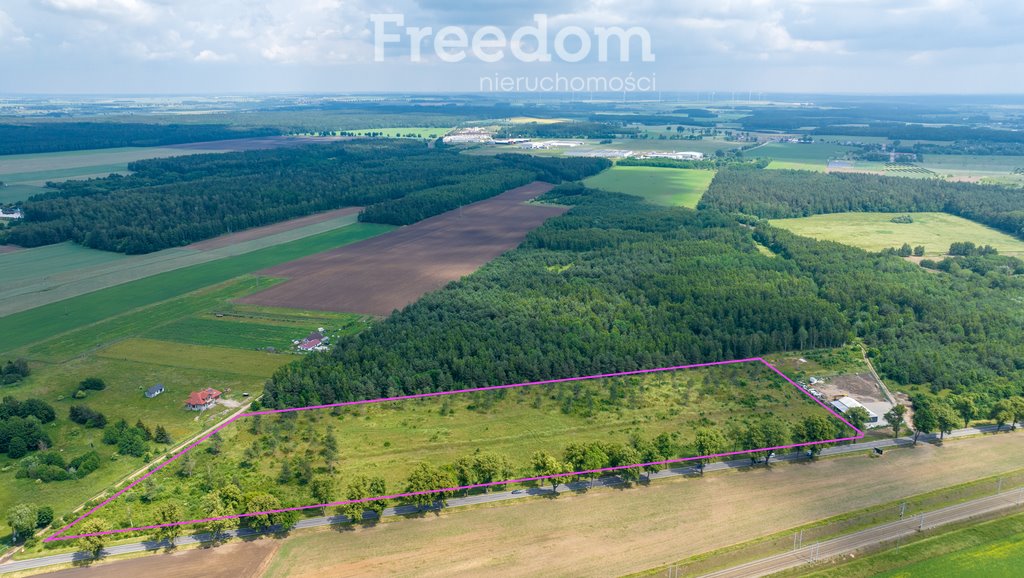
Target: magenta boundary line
{"x":58,"y":536}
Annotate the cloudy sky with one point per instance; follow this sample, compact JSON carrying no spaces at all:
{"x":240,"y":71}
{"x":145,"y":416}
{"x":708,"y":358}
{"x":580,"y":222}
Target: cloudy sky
{"x":236,"y":46}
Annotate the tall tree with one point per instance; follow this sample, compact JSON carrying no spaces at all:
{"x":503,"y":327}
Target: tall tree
{"x":894,"y":417}
{"x":964,"y":406}
{"x":22,"y":519}
{"x":946,"y":418}
{"x":925,"y":421}
{"x":708,"y":441}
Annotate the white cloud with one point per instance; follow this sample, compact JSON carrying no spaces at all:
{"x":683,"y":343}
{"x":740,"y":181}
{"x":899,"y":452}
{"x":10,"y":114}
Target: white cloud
{"x":211,"y":56}
{"x":9,"y":33}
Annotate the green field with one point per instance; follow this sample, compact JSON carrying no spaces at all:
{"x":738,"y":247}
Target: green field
{"x":806,"y":156}
{"x":993,"y":549}
{"x":21,"y":329}
{"x":875,"y":231}
{"x":254,"y":332}
{"x":43,"y":262}
{"x":664,"y":186}
{"x":973,"y":165}
{"x":52,"y":273}
{"x":388,"y":440}
{"x":27,"y":173}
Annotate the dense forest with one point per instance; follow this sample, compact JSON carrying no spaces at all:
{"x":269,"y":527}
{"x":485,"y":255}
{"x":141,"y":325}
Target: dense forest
{"x":45,"y":137}
{"x":617,"y":284}
{"x":786,"y":193}
{"x":175,"y":201}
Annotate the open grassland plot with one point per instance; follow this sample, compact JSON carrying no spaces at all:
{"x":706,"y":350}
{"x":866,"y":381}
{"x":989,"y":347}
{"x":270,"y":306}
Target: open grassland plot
{"x":809,"y":156}
{"x":387,"y":273}
{"x":664,"y":186}
{"x":253,"y":364}
{"x":876,"y":231}
{"x":127,"y":368}
{"x":29,"y":265}
{"x":12,"y":193}
{"x":388,"y":439}
{"x":618,"y":532}
{"x":53,"y":273}
{"x":993,"y":549}
{"x":103,"y":307}
{"x":971,"y":165}
{"x":534,"y":120}
{"x":224,"y":333}
{"x":256,"y":329}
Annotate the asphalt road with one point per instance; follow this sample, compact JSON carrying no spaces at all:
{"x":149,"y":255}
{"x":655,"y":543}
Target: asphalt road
{"x":875,"y":535}
{"x":18,"y":565}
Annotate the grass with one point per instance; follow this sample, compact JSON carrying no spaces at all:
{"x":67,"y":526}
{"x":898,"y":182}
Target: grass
{"x":255,"y":330}
{"x":992,"y":549}
{"x":875,"y":231}
{"x":817,"y":153}
{"x":389,"y":439}
{"x":43,"y":323}
{"x":664,"y":186}
{"x":43,"y":262}
{"x":19,"y":192}
{"x":67,"y":270}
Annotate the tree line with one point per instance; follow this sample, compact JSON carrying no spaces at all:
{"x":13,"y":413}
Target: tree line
{"x":45,"y":137}
{"x":176,"y":201}
{"x":788,"y":193}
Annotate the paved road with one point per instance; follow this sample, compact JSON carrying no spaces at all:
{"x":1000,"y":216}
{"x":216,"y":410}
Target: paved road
{"x":14,"y":566}
{"x":871,"y":536}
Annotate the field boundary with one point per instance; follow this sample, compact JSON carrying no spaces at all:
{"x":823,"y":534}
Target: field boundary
{"x":60,"y":534}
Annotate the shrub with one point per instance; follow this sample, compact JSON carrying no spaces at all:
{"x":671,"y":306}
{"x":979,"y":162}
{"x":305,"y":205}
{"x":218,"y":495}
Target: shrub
{"x":93,"y":383}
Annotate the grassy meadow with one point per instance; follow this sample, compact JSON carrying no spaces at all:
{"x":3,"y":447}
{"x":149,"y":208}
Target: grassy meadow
{"x":876,"y":231}
{"x":803,"y":156}
{"x":388,"y":440}
{"x":48,"y":321}
{"x":994,"y":549}
{"x":178,"y":328}
{"x":664,"y":186}
{"x":52,"y":273}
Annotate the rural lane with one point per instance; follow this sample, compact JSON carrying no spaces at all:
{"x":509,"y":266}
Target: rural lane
{"x":406,"y":510}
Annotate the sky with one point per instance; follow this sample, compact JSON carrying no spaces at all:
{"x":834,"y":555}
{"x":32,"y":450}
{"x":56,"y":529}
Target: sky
{"x":290,"y":46}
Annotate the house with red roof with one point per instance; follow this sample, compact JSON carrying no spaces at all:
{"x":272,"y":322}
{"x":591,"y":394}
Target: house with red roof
{"x":200,"y":400}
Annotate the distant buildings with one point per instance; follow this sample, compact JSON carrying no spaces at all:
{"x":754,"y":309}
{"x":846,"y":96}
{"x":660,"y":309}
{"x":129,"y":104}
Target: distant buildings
{"x":676,"y":156}
{"x":155,"y":390}
{"x":471,"y":134}
{"x":11,"y":214}
{"x":315,"y":341}
{"x":200,"y":400}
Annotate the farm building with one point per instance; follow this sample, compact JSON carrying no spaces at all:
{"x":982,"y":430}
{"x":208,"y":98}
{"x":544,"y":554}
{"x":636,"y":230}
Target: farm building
{"x":155,"y":390}
{"x":845,"y":404}
{"x":12,"y":214}
{"x":200,"y":400}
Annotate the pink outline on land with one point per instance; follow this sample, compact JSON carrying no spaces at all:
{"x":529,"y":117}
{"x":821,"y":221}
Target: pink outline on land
{"x":58,"y":536}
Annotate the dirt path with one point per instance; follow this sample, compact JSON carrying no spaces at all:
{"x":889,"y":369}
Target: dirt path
{"x":614,"y":532}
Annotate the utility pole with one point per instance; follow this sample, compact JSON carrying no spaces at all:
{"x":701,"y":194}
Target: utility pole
{"x":903,"y":509}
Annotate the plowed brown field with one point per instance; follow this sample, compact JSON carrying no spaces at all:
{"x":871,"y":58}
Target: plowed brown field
{"x":388,"y":272}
